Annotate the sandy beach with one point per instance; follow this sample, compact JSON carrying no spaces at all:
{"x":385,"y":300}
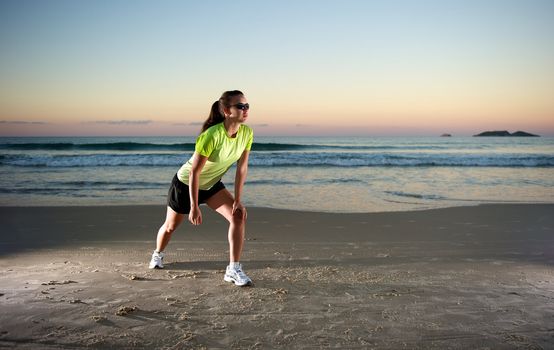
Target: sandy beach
{"x":477,"y":277}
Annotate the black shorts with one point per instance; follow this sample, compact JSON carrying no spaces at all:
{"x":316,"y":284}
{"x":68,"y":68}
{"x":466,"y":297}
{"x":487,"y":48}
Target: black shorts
{"x":178,"y":197}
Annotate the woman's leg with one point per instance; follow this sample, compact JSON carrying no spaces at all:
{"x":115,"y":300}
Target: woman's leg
{"x":222,"y":202}
{"x":172,"y":221}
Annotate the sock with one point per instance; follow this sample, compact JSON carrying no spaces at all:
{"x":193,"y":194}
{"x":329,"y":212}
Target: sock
{"x":234,"y":265}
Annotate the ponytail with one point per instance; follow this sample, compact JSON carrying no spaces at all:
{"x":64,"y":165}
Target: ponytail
{"x":216,"y":112}
{"x":216,"y":116}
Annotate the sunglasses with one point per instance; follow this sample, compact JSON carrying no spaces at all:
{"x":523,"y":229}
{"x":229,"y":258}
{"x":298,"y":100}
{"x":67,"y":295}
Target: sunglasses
{"x":242,"y":106}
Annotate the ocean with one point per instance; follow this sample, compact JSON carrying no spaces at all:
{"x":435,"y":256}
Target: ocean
{"x":340,"y":174}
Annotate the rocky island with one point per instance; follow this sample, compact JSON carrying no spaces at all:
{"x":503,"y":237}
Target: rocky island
{"x":506,"y":133}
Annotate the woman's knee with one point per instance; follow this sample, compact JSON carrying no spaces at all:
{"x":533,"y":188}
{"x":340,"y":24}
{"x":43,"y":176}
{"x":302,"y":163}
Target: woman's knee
{"x":170,"y":227}
{"x":239,"y":219}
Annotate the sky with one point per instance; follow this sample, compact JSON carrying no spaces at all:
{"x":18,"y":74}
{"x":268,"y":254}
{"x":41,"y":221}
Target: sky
{"x":397,"y":67}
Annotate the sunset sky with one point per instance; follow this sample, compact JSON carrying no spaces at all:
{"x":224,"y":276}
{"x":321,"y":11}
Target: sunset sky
{"x":400,"y":67}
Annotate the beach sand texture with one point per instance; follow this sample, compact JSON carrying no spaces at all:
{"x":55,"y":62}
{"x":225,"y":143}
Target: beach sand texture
{"x":459,"y":278}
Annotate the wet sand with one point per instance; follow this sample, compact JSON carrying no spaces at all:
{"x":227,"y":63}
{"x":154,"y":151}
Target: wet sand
{"x":470,"y":277}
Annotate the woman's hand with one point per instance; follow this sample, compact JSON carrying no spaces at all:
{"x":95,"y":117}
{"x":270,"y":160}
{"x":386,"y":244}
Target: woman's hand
{"x":195,"y":216}
{"x":239,"y":209}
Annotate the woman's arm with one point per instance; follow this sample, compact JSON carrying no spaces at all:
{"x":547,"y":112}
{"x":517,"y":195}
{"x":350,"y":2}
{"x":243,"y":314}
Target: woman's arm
{"x":242,"y":171}
{"x":198,"y":162}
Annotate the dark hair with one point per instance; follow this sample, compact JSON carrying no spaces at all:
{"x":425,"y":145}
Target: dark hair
{"x":216,"y":112}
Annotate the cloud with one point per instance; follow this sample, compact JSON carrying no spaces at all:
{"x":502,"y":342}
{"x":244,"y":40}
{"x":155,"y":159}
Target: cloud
{"x":21,"y":122}
{"x":188,"y":124}
{"x":202,"y":123}
{"x":121,"y":122}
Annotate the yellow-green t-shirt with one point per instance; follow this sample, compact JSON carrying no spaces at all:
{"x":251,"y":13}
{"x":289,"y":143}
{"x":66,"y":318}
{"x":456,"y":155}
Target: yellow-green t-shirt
{"x":222,"y":152}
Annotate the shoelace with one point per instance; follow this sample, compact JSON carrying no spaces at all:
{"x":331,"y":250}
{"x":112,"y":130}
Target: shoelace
{"x":241,"y":274}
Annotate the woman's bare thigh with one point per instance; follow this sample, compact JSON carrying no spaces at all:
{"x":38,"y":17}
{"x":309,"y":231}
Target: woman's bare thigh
{"x":222,"y":202}
{"x":173,"y":219}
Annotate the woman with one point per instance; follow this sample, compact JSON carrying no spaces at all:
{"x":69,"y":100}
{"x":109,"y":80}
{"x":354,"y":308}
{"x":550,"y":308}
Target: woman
{"x":224,"y":140}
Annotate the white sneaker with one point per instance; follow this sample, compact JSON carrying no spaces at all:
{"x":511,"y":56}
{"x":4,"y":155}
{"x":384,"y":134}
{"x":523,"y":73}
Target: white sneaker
{"x":157,"y":261}
{"x":237,"y":276}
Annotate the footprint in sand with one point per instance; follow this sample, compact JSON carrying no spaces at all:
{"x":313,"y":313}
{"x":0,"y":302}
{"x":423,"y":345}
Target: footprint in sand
{"x":51,"y":283}
{"x":125,"y":310}
{"x":98,"y":318}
